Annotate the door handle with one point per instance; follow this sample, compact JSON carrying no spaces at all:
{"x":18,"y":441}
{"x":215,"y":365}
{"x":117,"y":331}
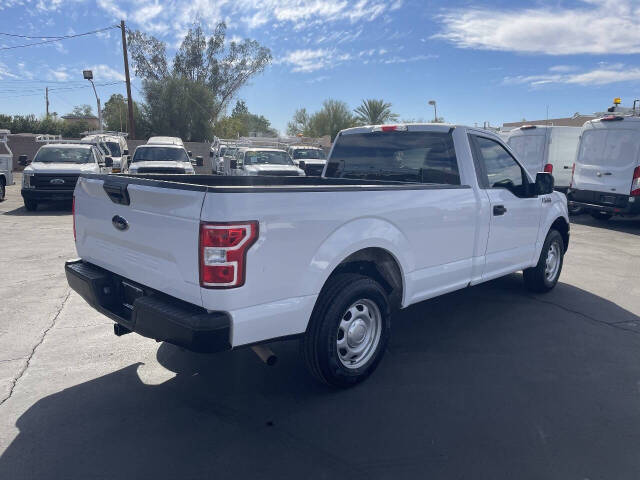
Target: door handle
{"x":567,"y":167}
{"x":499,"y":210}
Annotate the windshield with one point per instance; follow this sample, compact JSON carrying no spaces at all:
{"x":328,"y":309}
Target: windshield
{"x":310,"y":153}
{"x":63,"y":155}
{"x":114,"y":148}
{"x":222,"y":151}
{"x":160,"y":154}
{"x":229,"y":152}
{"x":421,"y":157}
{"x":254,"y":157}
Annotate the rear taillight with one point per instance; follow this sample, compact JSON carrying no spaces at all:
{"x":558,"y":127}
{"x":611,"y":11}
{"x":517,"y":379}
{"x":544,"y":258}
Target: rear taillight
{"x":548,"y":168}
{"x":635,"y":184}
{"x":73,"y":213}
{"x":223,"y":253}
{"x":573,"y":170}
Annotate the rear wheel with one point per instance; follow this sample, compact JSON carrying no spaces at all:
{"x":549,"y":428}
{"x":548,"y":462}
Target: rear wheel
{"x":602,"y":216}
{"x":348,"y":331}
{"x":3,"y":190}
{"x":544,"y":276}
{"x":31,"y":205}
{"x":575,"y":210}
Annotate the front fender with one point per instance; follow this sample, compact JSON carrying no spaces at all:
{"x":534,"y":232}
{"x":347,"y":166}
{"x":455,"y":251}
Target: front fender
{"x":557,"y":209}
{"x":352,"y":237}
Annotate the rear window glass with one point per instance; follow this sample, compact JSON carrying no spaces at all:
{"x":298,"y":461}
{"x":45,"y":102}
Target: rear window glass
{"x":420,"y":157}
{"x":529,"y":149}
{"x":616,"y":148}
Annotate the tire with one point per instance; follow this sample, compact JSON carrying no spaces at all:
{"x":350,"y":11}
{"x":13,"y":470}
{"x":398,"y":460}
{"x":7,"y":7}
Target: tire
{"x":3,"y":190}
{"x":575,"y":210}
{"x":348,"y":331}
{"x":539,"y":278}
{"x":31,"y":205}
{"x":601,"y":216}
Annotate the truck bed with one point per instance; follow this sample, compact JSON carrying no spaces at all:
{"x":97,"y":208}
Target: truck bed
{"x":238,"y":184}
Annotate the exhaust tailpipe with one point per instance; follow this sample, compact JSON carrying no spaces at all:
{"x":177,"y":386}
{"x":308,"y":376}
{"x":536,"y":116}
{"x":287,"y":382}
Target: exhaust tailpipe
{"x":265,"y":354}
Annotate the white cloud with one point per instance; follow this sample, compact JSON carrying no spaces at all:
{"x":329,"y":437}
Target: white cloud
{"x":602,"y":75}
{"x":591,"y":27}
{"x":415,"y":58}
{"x":60,"y":75}
{"x":5,"y":72}
{"x":308,"y":60}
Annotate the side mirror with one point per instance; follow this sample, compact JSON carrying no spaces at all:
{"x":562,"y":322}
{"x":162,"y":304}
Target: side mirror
{"x":23,"y":160}
{"x":199,"y":161}
{"x":125,"y":152}
{"x":544,"y":183}
{"x":302,"y":164}
{"x":108,"y":162}
{"x":190,"y":153}
{"x":211,"y":153}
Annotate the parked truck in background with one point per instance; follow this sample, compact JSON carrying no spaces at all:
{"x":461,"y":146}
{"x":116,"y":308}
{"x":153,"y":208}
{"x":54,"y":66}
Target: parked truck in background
{"x":404,"y":213}
{"x":606,"y":174}
{"x":6,"y":163}
{"x":308,"y":158}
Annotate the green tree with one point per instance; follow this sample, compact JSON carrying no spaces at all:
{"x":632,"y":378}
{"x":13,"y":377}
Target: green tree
{"x":243,"y":123}
{"x":115,"y":115}
{"x":374,"y":112}
{"x":82,"y":111}
{"x":334,"y":116}
{"x":222,"y":67}
{"x":299,"y":124}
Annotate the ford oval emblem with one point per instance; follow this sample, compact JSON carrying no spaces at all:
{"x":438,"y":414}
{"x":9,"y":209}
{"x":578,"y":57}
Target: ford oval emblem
{"x":120,"y":223}
{"x":56,"y":181}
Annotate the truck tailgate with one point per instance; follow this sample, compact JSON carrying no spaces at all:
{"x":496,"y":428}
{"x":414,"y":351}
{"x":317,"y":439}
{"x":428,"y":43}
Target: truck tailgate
{"x":152,"y":240}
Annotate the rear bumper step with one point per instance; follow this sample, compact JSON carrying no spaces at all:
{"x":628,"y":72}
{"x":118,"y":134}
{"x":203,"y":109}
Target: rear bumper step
{"x":151,"y":314}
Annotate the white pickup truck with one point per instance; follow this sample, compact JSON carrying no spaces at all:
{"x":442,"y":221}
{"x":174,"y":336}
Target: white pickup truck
{"x":404,"y":213}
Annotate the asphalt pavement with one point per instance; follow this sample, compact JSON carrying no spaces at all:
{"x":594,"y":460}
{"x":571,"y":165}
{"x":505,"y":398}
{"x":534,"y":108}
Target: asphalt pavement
{"x":491,"y":382}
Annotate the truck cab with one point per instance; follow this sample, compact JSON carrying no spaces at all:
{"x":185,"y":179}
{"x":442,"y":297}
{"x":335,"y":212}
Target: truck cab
{"x":250,"y":161}
{"x":309,"y":158}
{"x":161,"y":158}
{"x":115,"y":143}
{"x":6,"y":163}
{"x":54,"y":171}
{"x":606,"y":173}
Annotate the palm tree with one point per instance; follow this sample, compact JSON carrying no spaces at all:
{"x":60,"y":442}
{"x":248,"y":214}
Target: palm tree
{"x":374,"y":112}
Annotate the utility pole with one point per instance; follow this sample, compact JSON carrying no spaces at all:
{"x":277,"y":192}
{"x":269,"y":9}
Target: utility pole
{"x":132,"y":126}
{"x":46,"y":96}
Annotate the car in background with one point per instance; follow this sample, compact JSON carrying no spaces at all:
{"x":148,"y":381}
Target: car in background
{"x":548,"y":149}
{"x":116,"y":143}
{"x":54,"y":171}
{"x":218,"y":155}
{"x":161,"y":158}
{"x":606,"y":173}
{"x":310,"y":159}
{"x":249,"y":161}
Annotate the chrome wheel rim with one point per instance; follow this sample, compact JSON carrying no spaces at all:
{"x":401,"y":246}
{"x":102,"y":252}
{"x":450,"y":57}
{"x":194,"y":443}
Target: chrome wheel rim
{"x":359,"y":333}
{"x":552,"y":264}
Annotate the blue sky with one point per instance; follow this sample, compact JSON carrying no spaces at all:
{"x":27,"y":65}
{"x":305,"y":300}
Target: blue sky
{"x":481,"y":61}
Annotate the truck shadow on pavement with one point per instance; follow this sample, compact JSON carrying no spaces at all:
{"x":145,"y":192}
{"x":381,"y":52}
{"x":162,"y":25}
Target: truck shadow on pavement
{"x":489,"y":382}
{"x":618,"y":224}
{"x":44,"y":210}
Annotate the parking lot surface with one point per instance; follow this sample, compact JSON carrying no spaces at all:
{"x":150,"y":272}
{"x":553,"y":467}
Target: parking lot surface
{"x":490,"y":382}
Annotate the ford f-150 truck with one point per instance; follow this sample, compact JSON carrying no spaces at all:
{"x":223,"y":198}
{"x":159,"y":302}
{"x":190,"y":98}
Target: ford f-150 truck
{"x":403,"y":213}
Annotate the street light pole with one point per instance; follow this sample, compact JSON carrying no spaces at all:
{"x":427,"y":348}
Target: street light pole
{"x":88,"y":75}
{"x":435,"y":112}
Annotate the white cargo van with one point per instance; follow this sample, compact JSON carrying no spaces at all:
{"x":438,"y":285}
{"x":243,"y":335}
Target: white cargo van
{"x":606,"y":174}
{"x":6,"y":163}
{"x":547,"y":148}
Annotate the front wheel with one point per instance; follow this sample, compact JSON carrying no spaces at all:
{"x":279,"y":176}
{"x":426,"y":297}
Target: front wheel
{"x":348,"y":331}
{"x":30,"y":205}
{"x":544,"y":276}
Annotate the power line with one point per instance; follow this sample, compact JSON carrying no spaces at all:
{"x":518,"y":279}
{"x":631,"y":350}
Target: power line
{"x":57,"y":39}
{"x":60,"y":89}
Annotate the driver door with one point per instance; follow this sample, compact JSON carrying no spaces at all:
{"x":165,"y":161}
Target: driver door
{"x":515,"y":212}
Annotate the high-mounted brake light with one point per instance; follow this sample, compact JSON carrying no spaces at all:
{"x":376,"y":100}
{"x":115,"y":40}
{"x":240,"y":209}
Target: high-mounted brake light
{"x":635,"y":184}
{"x":223,"y":253}
{"x":611,"y":118}
{"x":390,"y":128}
{"x":548,"y":168}
{"x":73,"y":214}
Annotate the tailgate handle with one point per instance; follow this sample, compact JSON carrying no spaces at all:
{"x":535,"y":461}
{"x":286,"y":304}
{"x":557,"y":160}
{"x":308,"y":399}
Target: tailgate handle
{"x":117,"y":193}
